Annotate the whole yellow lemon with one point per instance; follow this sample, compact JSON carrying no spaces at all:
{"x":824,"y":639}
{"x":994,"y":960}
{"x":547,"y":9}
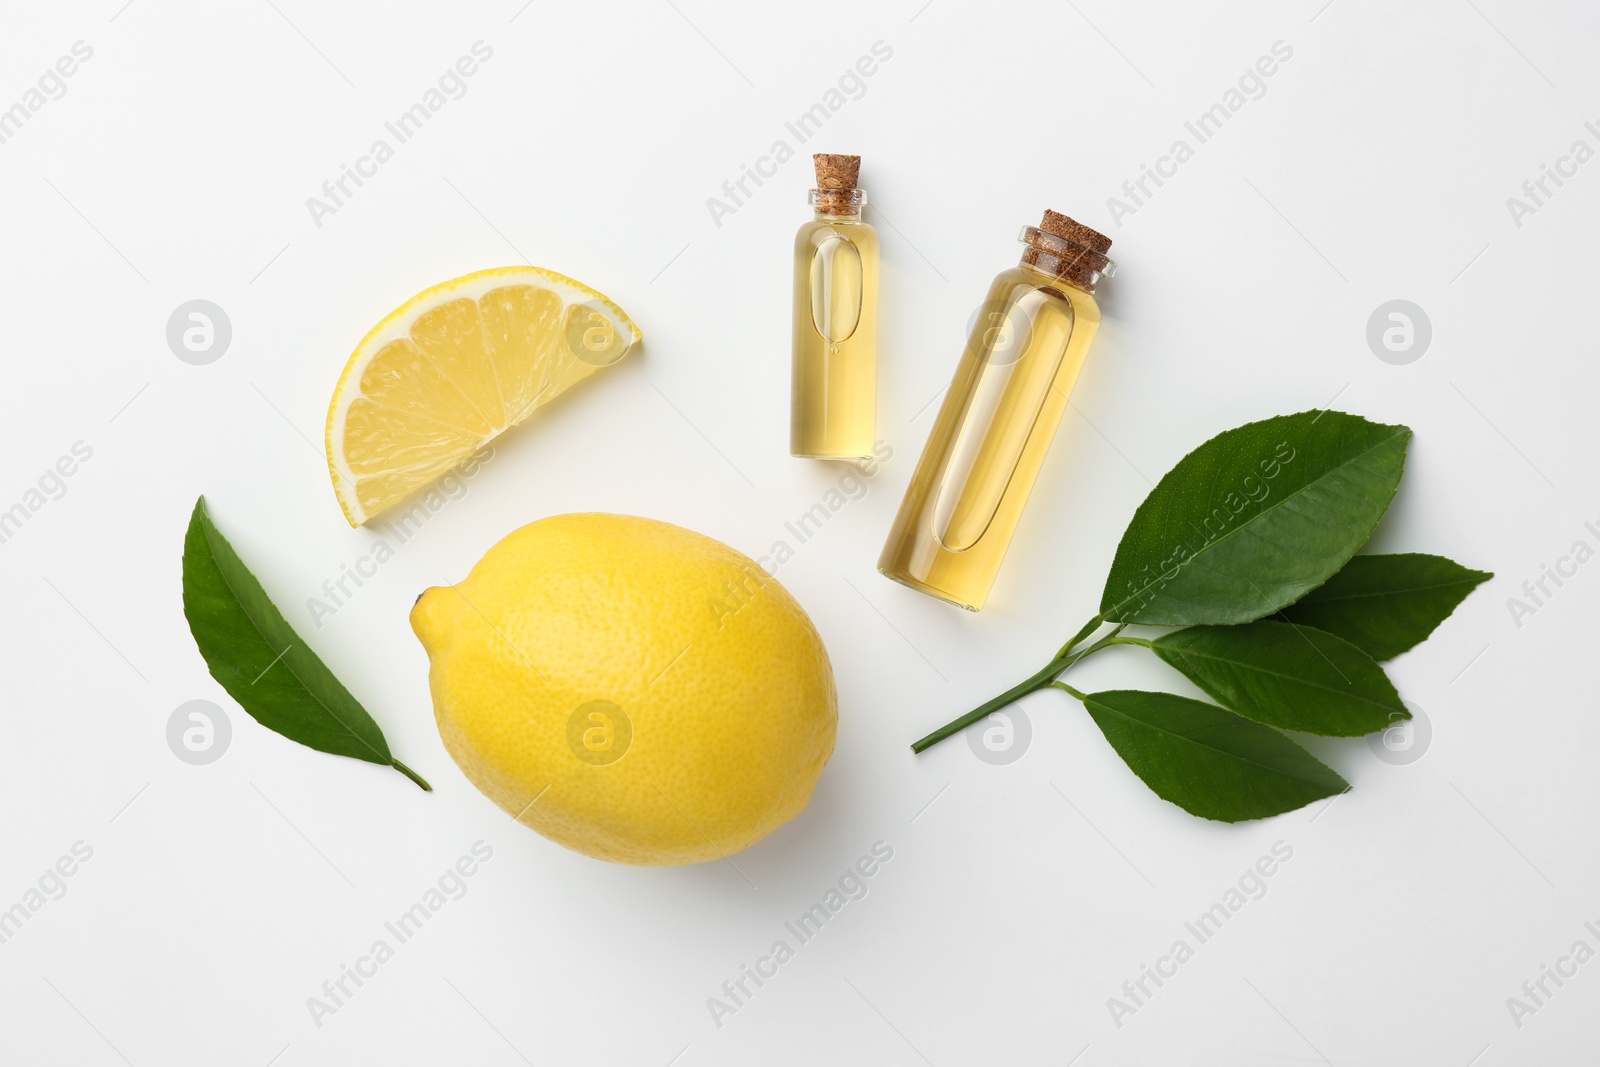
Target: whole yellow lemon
{"x":630,"y":689}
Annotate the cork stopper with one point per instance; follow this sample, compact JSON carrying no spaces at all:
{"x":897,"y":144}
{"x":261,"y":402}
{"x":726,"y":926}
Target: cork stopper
{"x":836,"y":172}
{"x":1067,"y":248}
{"x":1074,"y":231}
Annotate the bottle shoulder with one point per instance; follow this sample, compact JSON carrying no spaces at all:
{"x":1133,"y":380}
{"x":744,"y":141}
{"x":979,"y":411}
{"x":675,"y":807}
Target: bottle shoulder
{"x":1083,"y":304}
{"x":813,"y":232}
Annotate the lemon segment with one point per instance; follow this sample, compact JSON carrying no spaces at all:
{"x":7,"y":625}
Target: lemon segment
{"x":630,"y":689}
{"x":454,"y":367}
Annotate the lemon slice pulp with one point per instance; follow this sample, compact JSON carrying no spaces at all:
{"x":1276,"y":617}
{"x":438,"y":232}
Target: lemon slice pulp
{"x":454,"y":367}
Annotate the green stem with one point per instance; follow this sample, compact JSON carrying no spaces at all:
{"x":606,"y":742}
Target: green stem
{"x":1032,"y":684}
{"x":1109,"y":639}
{"x":1065,"y":688}
{"x":984,"y":710}
{"x":411,"y":774}
{"x":1140,"y":641}
{"x":1088,"y":628}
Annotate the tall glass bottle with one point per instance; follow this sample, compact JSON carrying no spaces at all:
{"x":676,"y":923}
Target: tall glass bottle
{"x":834,"y":390}
{"x":1008,"y":395}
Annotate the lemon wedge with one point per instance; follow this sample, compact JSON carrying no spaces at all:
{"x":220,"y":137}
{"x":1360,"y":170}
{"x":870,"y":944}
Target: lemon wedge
{"x":456,"y":366}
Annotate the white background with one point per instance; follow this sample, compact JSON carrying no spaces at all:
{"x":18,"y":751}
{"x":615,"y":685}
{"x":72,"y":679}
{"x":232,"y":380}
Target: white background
{"x":1376,"y":166}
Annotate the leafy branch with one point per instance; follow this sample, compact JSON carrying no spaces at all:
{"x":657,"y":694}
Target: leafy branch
{"x":1248,"y":548}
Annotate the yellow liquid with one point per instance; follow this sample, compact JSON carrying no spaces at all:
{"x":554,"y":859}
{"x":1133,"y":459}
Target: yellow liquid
{"x":990,"y":438}
{"x":834,"y":390}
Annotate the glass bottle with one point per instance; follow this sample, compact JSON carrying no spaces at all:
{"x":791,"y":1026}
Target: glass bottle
{"x":834,"y":389}
{"x":1006,"y":399}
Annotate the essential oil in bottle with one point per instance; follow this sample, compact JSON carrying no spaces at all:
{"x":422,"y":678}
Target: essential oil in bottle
{"x":1006,"y":399}
{"x":834,"y":391}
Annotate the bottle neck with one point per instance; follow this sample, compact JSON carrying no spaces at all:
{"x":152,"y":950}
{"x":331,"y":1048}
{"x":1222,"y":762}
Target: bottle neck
{"x":1077,"y":265}
{"x":838,"y":205}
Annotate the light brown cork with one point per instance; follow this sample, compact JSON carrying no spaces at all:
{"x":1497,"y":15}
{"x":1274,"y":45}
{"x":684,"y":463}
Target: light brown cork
{"x":1076,"y":232}
{"x":1068,"y":249}
{"x":836,"y":172}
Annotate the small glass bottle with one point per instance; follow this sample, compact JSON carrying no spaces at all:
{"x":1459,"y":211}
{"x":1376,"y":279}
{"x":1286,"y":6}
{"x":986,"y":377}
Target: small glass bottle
{"x":834,"y":389}
{"x":1007,"y":397}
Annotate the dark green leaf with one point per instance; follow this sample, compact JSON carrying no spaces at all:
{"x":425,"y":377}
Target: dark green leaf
{"x":1208,"y":761}
{"x":1253,"y":519}
{"x":1291,"y":677}
{"x":1386,"y":604}
{"x":259,"y":659}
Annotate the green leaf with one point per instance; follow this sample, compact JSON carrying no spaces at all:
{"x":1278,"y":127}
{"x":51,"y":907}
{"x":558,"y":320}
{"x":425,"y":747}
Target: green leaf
{"x":1291,"y":677}
{"x":263,"y":664}
{"x":1208,"y":761}
{"x":1253,"y":519}
{"x":1385,"y":605}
